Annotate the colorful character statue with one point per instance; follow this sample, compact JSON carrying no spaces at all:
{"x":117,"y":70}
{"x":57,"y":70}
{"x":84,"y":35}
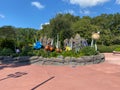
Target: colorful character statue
{"x":58,"y":49}
{"x":49,"y":46}
{"x":37,"y":45}
{"x":95,"y":37}
{"x":67,"y":48}
{"x":69,"y":45}
{"x":84,"y":43}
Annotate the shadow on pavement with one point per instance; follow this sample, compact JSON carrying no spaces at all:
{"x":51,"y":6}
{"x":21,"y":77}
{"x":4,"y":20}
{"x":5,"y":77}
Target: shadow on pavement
{"x":15,"y":75}
{"x":12,"y":65}
{"x":42,"y":83}
{"x":9,"y":62}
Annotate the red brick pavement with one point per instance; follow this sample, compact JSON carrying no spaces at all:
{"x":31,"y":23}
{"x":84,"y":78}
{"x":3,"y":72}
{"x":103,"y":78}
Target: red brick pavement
{"x":103,"y":76}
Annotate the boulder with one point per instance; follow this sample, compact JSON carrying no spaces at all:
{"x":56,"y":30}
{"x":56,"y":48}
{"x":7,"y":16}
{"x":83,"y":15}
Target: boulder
{"x":33,"y":57}
{"x":1,"y":57}
{"x":7,"y":58}
{"x":88,"y":58}
{"x":23,"y":58}
{"x":67,"y":59}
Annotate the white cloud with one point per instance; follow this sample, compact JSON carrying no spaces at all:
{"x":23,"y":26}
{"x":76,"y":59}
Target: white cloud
{"x":85,"y":12}
{"x":37,"y":4}
{"x":41,"y":25}
{"x":68,"y":11}
{"x":87,"y":3}
{"x":2,"y":16}
{"x":118,"y":1}
{"x":72,"y":12}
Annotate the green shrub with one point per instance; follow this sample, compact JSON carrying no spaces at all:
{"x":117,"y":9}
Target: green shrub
{"x":40,"y":52}
{"x":103,"y":49}
{"x":117,"y":49}
{"x":0,"y":49}
{"x":7,"y":43}
{"x":68,"y":53}
{"x":87,"y":51}
{"x":6,"y":52}
{"x":53,"y":54}
{"x":43,"y":53}
{"x":71,"y":53}
{"x":26,"y":50}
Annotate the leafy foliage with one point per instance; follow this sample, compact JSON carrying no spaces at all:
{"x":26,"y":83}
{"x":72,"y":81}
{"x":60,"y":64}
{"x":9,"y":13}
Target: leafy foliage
{"x":117,"y":49}
{"x":26,"y":51}
{"x":40,"y":52}
{"x":7,"y":32}
{"x":66,"y":26}
{"x":87,"y":51}
{"x":6,"y":52}
{"x":104,"y":49}
{"x":7,"y":43}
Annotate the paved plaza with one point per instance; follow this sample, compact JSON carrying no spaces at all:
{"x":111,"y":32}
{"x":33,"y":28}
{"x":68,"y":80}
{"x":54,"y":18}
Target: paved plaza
{"x":103,"y":76}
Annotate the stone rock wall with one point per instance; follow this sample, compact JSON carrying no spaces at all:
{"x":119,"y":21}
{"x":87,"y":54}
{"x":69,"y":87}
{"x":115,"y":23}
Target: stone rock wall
{"x":60,"y":60}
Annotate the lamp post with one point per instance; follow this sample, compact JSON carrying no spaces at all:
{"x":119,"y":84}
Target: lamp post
{"x":95,"y":36}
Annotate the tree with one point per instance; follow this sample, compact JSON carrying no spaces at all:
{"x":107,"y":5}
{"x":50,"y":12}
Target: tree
{"x":62,"y":24}
{"x":7,"y":32}
{"x":25,"y":36}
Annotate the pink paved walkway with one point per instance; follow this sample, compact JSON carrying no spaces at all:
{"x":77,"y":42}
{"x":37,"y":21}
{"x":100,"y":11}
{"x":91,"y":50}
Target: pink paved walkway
{"x":104,"y":76}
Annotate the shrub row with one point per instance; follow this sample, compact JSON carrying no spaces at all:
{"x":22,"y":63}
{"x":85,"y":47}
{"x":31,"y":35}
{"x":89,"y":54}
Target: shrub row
{"x":28,"y":51}
{"x":86,"y":51}
{"x":103,"y":49}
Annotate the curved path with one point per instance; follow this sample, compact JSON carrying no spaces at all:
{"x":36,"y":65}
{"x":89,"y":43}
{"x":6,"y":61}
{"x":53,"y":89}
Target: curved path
{"x":103,"y":76}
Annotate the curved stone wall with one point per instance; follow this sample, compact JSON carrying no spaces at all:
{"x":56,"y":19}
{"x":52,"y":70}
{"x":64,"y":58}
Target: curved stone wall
{"x":60,"y":60}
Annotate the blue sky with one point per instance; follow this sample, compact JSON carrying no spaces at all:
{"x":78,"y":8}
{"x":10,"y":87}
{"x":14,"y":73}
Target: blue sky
{"x":34,"y":13}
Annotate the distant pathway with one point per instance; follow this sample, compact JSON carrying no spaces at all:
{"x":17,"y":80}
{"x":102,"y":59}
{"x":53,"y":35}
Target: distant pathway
{"x":112,"y":58}
{"x":103,"y":76}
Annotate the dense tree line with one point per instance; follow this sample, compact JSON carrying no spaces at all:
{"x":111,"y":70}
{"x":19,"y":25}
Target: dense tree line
{"x":11,"y":37}
{"x":66,"y":26}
